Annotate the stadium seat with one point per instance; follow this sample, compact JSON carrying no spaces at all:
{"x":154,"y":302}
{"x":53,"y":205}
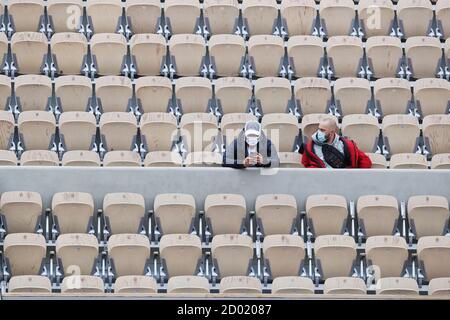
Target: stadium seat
{"x":29,"y":284}
{"x":21,"y":210}
{"x":73,"y":93}
{"x":69,"y":53}
{"x":305,"y":55}
{"x":434,"y":255}
{"x":8,"y":158}
{"x":182,"y":16}
{"x":180,"y":254}
{"x":282,"y":129}
{"x":225,"y":213}
{"x":153,"y":94}
{"x":392,"y":95}
{"x":122,"y":159}
{"x":436,"y":287}
{"x":265,"y":55}
{"x":313,"y":95}
{"x":384,"y":56}
{"x":77,"y":253}
{"x":227,"y":53}
{"x":298,"y":16}
{"x":37,"y":128}
{"x":5,"y":90}
{"x":6,"y":129}
{"x":129,"y":253}
{"x":233,"y":94}
{"x":29,"y":50}
{"x":221,"y":16}
{"x":423,"y":55}
{"x":415,"y":17}
{"x":174,"y":213}
{"x":276,"y":213}
{"x":124,"y":212}
{"x":103,"y":16}
{"x":273,"y":94}
{"x":401,"y":131}
{"x":64,"y":15}
{"x":335,"y":255}
{"x":363,"y":129}
{"x":310,"y":123}
{"x":187,"y":54}
{"x":163,"y":159}
{"x":27,"y":15}
{"x":330,"y":9}
{"x":442,"y":17}
{"x":193,"y":94}
{"x":283,"y":254}
{"x":25,"y":253}
{"x":290,"y":160}
{"x":135,"y":285}
{"x":187,"y":285}
{"x":39,"y":158}
{"x":440,"y":161}
{"x":327,"y":214}
{"x":240,"y":285}
{"x":432,"y":95}
{"x":114,"y":93}
{"x":143,"y":15}
{"x":33,"y":92}
{"x":159,"y":130}
{"x":118,"y":130}
{"x":376,"y":17}
{"x":77,"y":129}
{"x":198,"y":131}
{"x":109,"y":52}
{"x":81,"y":159}
{"x":345,"y":54}
{"x":232,"y":125}
{"x":292,"y":285}
{"x":352,"y":95}
{"x":148,"y":53}
{"x":408,"y":161}
{"x":344,"y":285}
{"x":397,"y":286}
{"x":232,"y":254}
{"x":259,"y":16}
{"x":377,"y":214}
{"x":389,"y":253}
{"x":203,"y":159}
{"x":436,"y":129}
{"x":73,"y":211}
{"x":82,"y":284}
{"x":3,"y":47}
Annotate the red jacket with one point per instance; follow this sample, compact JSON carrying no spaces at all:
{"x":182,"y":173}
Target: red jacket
{"x":358,"y":158}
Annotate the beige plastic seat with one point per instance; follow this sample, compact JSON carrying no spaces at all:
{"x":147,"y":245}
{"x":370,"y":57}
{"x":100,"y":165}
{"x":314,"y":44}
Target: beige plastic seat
{"x":232,"y":254}
{"x":310,"y":122}
{"x":284,"y":254}
{"x":226,"y":213}
{"x":182,"y":15}
{"x":388,"y":253}
{"x":187,"y":285}
{"x":384,"y":55}
{"x":232,"y":125}
{"x":143,"y":15}
{"x":39,"y":158}
{"x":436,"y":287}
{"x":434,"y":256}
{"x":415,"y":17}
{"x":313,"y":94}
{"x":108,"y":51}
{"x":29,"y":50}
{"x":29,"y":284}
{"x":187,"y":52}
{"x":423,"y":55}
{"x":330,"y":9}
{"x":240,"y":285}
{"x":233,"y":94}
{"x":77,"y":252}
{"x":129,"y":253}
{"x":327,"y":213}
{"x":65,"y":15}
{"x":266,"y":53}
{"x":392,"y":95}
{"x":37,"y":129}
{"x":73,"y":92}
{"x":436,"y":129}
{"x":25,"y":253}
{"x":345,"y":54}
{"x":148,"y":52}
{"x":69,"y":51}
{"x":3,"y":49}
{"x":363,"y":129}
{"x":193,"y":93}
{"x":298,"y":16}
{"x":21,"y":210}
{"x":259,"y":16}
{"x":5,"y":81}
{"x":282,"y":129}
{"x":175,"y":212}
{"x":124,"y":212}
{"x":397,"y":286}
{"x":135,"y":284}
{"x":81,"y":159}
{"x":408,"y":161}
{"x":402,"y":131}
{"x":26,"y":14}
{"x":33,"y":91}
{"x":82,"y":284}
{"x":122,"y":159}
{"x":433,"y":95}
{"x":376,"y":17}
{"x":118,"y":129}
{"x":443,"y":16}
{"x":78,"y":129}
{"x":276,"y":213}
{"x":6,"y":129}
{"x":440,"y":161}
{"x":227,"y":52}
{"x":153,"y":93}
{"x":104,"y":15}
{"x":344,"y":285}
{"x":163,"y":159}
{"x":335,"y":255}
{"x":159,"y":130}
{"x":292,"y":285}
{"x":352,"y":95}
{"x":221,"y":15}
{"x":73,"y":211}
{"x":8,"y":158}
{"x":180,"y":253}
{"x":378,"y":213}
{"x":273,"y":94}
{"x":199,"y":131}
{"x":428,"y":215}
{"x":203,"y":159}
{"x":305,"y":54}
{"x":378,"y":160}
{"x":290,"y":160}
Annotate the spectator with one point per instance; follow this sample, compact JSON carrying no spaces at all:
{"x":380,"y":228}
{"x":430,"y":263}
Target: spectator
{"x":329,"y":150}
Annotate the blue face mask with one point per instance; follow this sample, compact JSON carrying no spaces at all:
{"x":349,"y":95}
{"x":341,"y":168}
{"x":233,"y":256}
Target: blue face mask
{"x":321,"y":136}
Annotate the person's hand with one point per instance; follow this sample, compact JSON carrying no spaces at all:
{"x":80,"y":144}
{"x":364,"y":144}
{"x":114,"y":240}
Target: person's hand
{"x":249,"y":161}
{"x":259,"y":158}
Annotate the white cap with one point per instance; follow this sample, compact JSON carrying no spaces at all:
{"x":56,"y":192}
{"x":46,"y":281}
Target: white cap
{"x":252,"y":128}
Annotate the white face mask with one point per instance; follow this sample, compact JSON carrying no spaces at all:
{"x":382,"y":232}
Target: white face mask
{"x":252,"y":141}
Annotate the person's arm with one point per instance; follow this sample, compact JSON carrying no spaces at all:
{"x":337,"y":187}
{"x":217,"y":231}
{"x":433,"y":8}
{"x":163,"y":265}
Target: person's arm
{"x":364,"y":161}
{"x":272,"y":159}
{"x":229,"y":162}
